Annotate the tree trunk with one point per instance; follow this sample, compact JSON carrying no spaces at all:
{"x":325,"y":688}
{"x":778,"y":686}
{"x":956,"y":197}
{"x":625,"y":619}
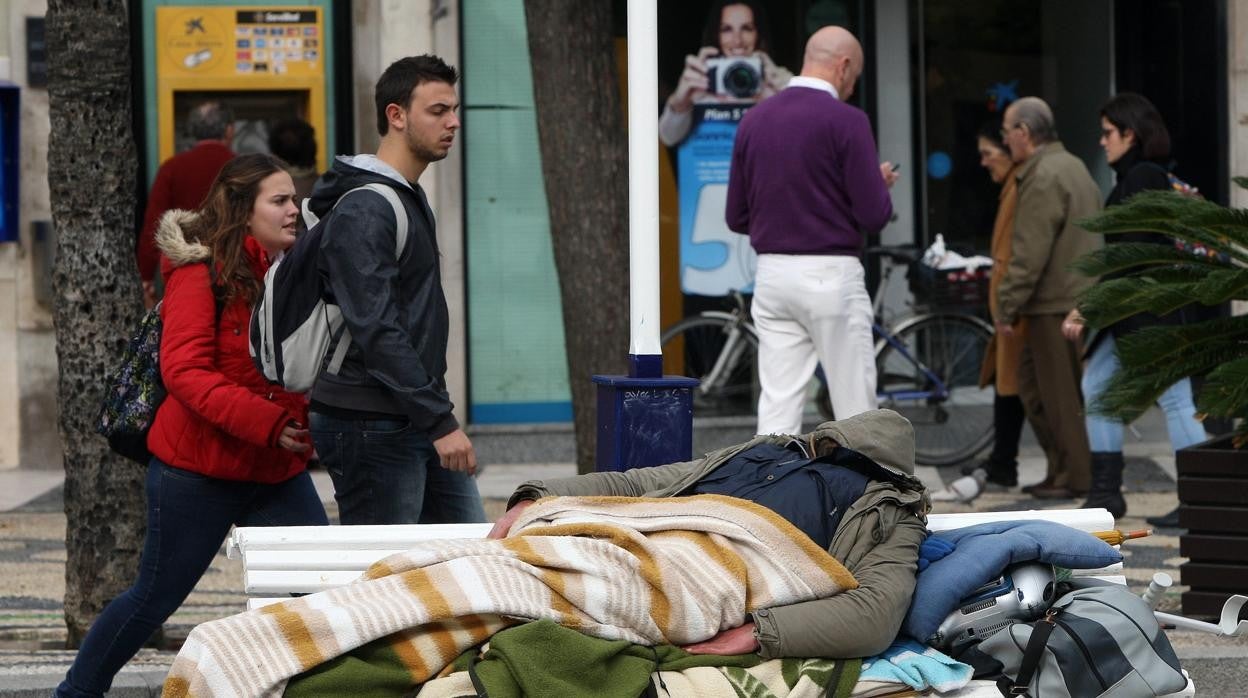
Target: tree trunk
{"x":585,"y":165}
{"x":91,"y":170}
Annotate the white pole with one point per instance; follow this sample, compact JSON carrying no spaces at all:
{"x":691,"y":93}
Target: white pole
{"x":643,"y":177}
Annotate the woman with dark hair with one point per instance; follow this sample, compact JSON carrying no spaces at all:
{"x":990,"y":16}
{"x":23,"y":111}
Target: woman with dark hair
{"x":1004,"y":352}
{"x":734,"y":28}
{"x":1001,"y":359}
{"x":1137,"y":146}
{"x":227,"y":447}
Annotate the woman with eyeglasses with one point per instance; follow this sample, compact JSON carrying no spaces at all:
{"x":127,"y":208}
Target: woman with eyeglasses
{"x":1137,"y":146}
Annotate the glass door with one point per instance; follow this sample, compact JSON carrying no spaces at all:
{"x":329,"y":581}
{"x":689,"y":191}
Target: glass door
{"x":971,"y":59}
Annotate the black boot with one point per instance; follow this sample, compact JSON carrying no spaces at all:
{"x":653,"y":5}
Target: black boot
{"x":1106,"y":491}
{"x":1170,"y":520}
{"x":1007,"y":422}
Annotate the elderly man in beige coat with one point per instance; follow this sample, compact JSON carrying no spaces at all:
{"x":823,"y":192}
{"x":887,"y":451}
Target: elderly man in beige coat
{"x":1054,"y":191}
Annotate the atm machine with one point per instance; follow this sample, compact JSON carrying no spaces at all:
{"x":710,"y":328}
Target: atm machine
{"x":267,"y":63}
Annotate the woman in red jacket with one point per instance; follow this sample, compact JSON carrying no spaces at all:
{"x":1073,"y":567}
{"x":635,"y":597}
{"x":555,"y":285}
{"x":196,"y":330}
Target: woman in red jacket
{"x":228,"y":448}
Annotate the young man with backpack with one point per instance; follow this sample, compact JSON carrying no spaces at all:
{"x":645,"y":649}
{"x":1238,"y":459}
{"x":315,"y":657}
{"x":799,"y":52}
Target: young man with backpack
{"x":382,"y":422}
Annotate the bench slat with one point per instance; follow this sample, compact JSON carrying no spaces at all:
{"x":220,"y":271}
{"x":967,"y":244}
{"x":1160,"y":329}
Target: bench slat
{"x":358,"y":560}
{"x":1082,"y":519}
{"x":385,"y":537}
{"x":277,"y":582}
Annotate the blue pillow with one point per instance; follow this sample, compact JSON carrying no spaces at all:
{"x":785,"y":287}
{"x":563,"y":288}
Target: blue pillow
{"x":982,"y":552}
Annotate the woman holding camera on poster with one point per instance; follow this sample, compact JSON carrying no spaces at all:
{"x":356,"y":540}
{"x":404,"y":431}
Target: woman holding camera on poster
{"x":731,"y":67}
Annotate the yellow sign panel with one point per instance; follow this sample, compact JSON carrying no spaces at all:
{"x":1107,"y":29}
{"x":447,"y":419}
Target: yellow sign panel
{"x":245,"y":54}
{"x":239,"y":42}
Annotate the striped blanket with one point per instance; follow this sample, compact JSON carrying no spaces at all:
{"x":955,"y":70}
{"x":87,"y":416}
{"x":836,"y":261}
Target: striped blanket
{"x":649,"y":571}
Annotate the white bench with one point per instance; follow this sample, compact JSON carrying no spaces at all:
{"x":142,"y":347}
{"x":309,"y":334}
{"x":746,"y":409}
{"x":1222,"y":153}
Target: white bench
{"x":284,"y":560}
{"x":280,"y":561}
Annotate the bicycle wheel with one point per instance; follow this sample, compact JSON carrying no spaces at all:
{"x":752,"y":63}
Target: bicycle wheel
{"x":928,"y":370}
{"x":723,"y":354}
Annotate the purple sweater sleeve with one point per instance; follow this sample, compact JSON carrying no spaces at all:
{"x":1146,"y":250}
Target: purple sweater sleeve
{"x":868,"y":195}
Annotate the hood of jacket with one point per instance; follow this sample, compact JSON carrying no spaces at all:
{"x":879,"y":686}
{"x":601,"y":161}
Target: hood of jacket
{"x":884,"y":436}
{"x":347,"y":173}
{"x":178,"y":251}
{"x":887,"y":438}
{"x":172,"y":242}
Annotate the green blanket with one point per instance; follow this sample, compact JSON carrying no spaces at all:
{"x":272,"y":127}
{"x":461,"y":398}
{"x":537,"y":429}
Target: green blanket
{"x":543,"y":658}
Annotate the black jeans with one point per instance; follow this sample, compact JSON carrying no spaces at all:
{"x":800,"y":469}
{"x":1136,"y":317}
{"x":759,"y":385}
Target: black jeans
{"x":385,"y":472}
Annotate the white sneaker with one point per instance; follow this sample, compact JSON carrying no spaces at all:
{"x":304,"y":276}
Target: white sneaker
{"x":965,"y":489}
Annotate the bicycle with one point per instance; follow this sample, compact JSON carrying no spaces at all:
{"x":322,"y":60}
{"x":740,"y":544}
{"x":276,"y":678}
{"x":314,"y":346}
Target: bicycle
{"x":927,"y":368}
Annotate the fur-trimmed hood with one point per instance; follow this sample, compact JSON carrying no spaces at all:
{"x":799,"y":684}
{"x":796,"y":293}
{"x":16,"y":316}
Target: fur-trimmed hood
{"x":172,"y":242}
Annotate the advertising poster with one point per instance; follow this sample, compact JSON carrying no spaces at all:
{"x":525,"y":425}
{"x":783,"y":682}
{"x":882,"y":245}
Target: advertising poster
{"x":714,"y":261}
{"x":733,"y":63}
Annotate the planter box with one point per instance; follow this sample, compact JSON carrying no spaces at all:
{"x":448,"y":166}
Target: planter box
{"x":1213,"y":507}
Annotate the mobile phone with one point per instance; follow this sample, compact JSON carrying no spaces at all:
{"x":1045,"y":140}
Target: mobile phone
{"x":896,"y":166}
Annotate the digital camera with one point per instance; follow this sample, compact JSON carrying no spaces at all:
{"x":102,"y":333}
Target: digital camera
{"x":735,"y":76}
{"x":1023,"y":592}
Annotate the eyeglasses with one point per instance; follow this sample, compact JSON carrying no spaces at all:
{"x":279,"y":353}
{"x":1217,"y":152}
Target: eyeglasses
{"x":1107,"y":132}
{"x":1005,"y":132}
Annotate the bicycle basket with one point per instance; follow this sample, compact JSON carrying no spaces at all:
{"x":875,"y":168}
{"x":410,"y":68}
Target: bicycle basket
{"x":945,"y":288}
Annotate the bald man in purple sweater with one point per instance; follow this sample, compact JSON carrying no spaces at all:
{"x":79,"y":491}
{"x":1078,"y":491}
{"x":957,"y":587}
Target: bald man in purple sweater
{"x":806,"y":185}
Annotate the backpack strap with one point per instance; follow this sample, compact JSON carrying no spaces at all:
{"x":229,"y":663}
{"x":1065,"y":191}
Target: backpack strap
{"x":1040,"y":632}
{"x":400,"y":213}
{"x":400,"y":241}
{"x":218,"y":304}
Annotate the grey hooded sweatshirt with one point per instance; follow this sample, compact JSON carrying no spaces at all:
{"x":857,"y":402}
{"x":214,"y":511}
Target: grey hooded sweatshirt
{"x":394,"y":308}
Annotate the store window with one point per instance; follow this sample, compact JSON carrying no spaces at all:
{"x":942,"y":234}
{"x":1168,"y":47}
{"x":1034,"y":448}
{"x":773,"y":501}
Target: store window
{"x":971,"y":58}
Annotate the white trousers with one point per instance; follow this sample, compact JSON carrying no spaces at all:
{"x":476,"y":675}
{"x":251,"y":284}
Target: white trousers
{"x":810,"y":310}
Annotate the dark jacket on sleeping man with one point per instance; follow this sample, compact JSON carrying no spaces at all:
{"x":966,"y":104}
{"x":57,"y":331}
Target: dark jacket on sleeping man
{"x":876,"y":534}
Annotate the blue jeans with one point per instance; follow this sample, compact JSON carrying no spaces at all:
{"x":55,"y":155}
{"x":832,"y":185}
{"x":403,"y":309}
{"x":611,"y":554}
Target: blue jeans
{"x":1105,"y":434}
{"x":386,"y":472}
{"x":188,"y":515}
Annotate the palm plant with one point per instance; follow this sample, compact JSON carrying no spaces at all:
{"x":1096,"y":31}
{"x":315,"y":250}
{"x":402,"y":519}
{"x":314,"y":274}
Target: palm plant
{"x":1159,"y":279}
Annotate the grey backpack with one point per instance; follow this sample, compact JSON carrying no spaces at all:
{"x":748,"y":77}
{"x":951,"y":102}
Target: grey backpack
{"x":1095,"y":641}
{"x":294,"y":324}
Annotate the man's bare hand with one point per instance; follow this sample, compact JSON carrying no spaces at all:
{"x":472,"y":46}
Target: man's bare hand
{"x":294,"y":438}
{"x":456,"y":453}
{"x":1072,"y":326}
{"x":503,"y":525}
{"x":889,"y":173}
{"x":738,"y":640}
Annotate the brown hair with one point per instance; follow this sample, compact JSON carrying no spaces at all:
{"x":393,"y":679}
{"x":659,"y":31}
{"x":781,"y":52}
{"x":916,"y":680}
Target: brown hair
{"x":222,"y":224}
{"x":400,"y":80}
{"x":715,"y":16}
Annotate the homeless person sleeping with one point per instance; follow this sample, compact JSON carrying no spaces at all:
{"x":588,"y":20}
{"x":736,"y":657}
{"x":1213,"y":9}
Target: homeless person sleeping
{"x":784,"y":546}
